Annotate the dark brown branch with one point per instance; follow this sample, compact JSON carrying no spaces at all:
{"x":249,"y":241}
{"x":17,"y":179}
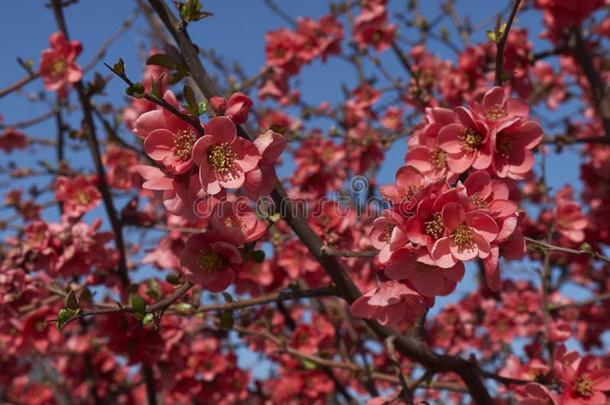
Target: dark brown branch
{"x":502,"y":42}
{"x":94,"y":147}
{"x":601,"y":100}
{"x":149,"y":380}
{"x":554,"y":248}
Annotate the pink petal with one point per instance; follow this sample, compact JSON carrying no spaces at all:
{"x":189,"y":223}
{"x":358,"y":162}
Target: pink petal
{"x":482,"y":224}
{"x":453,"y":216}
{"x":449,"y":138}
{"x":441,"y":253}
{"x":222,"y":129}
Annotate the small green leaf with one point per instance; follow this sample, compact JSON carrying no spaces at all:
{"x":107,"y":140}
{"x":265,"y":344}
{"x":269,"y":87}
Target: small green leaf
{"x":491,"y":35}
{"x":63,"y":317}
{"x":228,"y":297}
{"x":501,"y":29}
{"x":191,"y":100}
{"x":203,"y":107}
{"x":148,"y":319}
{"x":71,"y":301}
{"x":258,"y":256}
{"x":184,"y":307}
{"x":308,"y":364}
{"x":585,"y":247}
{"x":138,"y":304}
{"x":136,"y":90}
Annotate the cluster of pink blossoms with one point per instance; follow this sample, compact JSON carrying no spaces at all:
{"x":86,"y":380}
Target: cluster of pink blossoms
{"x":58,"y":66}
{"x":196,"y":174}
{"x":287,"y":51}
{"x":371,"y":26}
{"x":433,"y":227}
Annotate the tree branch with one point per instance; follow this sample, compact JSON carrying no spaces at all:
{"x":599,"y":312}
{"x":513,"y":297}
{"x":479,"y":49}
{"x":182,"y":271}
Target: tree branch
{"x":502,"y":42}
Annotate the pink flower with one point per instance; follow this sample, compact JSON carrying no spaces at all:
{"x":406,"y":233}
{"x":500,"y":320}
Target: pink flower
{"x":154,"y":75}
{"x":223,"y":158}
{"x":261,"y":181}
{"x":468,"y":235}
{"x":391,"y":303}
{"x":168,"y":139}
{"x":392,"y":118}
{"x":497,"y":107}
{"x":426,"y":226}
{"x":536,"y":394}
{"x":387,"y":234}
{"x":79,"y":195}
{"x":416,"y":267}
{"x":466,"y":143}
{"x":431,"y":161}
{"x":512,"y":145}
{"x":584,"y":380}
{"x":208,"y":259}
{"x":569,"y":219}
{"x":11,"y":139}
{"x":58,"y":66}
{"x":160,"y":118}
{"x":236,"y":221}
{"x":182,"y":195}
{"x":236,"y":107}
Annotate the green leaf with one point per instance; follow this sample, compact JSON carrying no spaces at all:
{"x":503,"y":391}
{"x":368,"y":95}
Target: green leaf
{"x":191,"y":100}
{"x":585,"y":247}
{"x":491,"y":35}
{"x":184,"y":307}
{"x":228,"y":297}
{"x":138,"y":304}
{"x":148,"y":319}
{"x":501,"y":29}
{"x":202,"y":107}
{"x":136,"y":90}
{"x":63,"y":317}
{"x":308,"y":364}
{"x":154,"y":289}
{"x":161,"y":59}
{"x":226,"y":320}
{"x":71,"y":301}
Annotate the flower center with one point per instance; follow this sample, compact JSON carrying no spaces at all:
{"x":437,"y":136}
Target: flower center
{"x":221,"y":157}
{"x":435,"y":227}
{"x":504,"y":146}
{"x":210,"y":261}
{"x":183,"y":144}
{"x":583,"y":387}
{"x":83,"y":197}
{"x":59,"y":66}
{"x":478,"y":202}
{"x":495,"y":112}
{"x":471,"y":140}
{"x":462,"y":237}
{"x":438,"y":158}
{"x":387,"y":233}
{"x":232,"y":222}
